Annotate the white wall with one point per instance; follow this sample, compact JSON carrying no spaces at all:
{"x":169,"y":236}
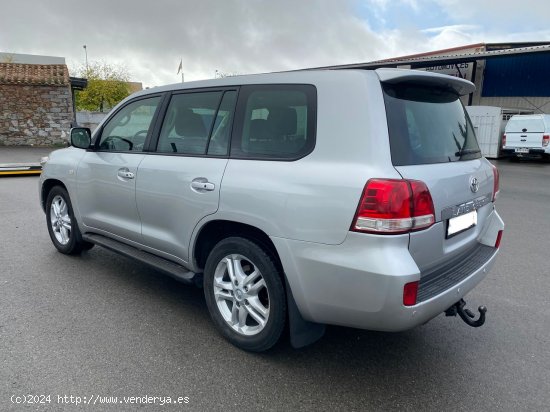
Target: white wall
{"x":89,"y":119}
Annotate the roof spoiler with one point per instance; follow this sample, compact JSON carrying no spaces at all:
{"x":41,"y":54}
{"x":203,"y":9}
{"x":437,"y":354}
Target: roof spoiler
{"x":394,"y":76}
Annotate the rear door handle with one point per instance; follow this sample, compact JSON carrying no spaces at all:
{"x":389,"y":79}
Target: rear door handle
{"x":202,"y":184}
{"x":125,"y":173}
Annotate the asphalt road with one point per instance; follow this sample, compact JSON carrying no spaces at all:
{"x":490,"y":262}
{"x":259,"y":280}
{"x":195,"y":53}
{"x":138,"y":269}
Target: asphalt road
{"x":101,"y":325}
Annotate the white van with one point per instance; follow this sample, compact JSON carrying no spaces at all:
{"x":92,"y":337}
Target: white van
{"x":527,"y":136}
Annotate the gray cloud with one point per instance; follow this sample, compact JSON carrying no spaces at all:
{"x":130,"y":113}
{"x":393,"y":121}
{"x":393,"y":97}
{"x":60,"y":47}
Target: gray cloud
{"x":243,"y":36}
{"x":237,"y":35}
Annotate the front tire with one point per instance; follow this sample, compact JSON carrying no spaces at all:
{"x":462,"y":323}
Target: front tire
{"x":62,"y":225}
{"x":245,"y":294}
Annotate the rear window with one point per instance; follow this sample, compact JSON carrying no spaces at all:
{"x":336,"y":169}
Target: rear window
{"x":519,"y":125}
{"x":427,"y":125}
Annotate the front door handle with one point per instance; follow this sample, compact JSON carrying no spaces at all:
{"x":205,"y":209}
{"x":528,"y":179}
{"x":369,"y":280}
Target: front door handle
{"x":202,"y":184}
{"x":125,"y":173}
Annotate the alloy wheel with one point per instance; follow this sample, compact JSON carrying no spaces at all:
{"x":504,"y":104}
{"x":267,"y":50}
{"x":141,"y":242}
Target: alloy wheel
{"x":241,"y":294}
{"x":60,"y":220}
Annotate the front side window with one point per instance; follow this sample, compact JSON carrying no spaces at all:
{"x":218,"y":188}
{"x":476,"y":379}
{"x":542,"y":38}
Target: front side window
{"x":127,"y":129}
{"x":278,"y":122}
{"x":427,"y":125}
{"x":188,"y":122}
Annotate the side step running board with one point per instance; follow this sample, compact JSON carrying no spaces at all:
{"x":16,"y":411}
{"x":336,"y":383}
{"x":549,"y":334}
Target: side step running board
{"x":170,"y":268}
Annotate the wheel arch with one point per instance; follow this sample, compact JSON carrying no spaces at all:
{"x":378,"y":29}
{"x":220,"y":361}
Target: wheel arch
{"x":47,"y":186}
{"x":214,"y":231}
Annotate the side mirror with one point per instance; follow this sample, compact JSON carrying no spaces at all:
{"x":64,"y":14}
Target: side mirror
{"x":81,"y":137}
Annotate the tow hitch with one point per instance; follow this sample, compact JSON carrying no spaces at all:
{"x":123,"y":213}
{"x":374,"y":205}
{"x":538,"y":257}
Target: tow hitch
{"x":466,"y":315}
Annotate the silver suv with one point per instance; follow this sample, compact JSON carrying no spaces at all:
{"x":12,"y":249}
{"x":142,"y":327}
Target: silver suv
{"x":343,"y":197}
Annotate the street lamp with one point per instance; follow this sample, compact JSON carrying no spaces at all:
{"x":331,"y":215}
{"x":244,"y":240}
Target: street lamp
{"x":86,"y":53}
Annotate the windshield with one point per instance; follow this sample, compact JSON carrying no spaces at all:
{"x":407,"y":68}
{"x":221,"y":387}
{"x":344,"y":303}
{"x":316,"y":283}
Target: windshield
{"x":427,"y":125}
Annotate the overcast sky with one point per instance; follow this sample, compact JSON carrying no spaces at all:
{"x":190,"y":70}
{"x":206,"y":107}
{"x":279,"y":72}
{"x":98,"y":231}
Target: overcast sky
{"x":248,"y":36}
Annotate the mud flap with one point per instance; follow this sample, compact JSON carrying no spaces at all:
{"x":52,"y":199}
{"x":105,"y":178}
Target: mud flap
{"x":302,"y":332}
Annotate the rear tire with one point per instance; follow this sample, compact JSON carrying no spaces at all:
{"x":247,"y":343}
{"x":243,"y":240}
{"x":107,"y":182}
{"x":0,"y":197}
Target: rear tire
{"x":245,"y":294}
{"x":62,"y":225}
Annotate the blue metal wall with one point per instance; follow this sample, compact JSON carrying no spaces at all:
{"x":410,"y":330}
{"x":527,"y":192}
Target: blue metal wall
{"x":524,"y":75}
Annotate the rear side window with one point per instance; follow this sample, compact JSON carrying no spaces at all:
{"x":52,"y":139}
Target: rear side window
{"x":188,"y":122}
{"x":427,"y":125}
{"x":219,"y":140}
{"x":277,"y":122}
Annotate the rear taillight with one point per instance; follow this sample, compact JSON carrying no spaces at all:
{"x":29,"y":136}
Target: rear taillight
{"x":410,"y":291}
{"x":499,"y":238}
{"x":496,"y":182}
{"x":504,"y":140}
{"x":545,"y":140}
{"x":390,"y":206}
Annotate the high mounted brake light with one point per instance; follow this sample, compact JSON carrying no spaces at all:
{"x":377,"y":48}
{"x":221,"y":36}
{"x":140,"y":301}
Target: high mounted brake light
{"x":393,"y":206}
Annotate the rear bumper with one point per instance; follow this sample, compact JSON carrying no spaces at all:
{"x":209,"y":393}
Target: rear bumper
{"x":359,"y":283}
{"x":533,"y":152}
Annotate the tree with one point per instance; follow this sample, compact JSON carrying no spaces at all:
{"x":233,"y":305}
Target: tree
{"x":107,"y":85}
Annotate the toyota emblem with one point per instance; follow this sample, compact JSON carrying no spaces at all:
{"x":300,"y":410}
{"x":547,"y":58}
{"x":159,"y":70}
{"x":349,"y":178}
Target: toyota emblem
{"x":474,"y":184}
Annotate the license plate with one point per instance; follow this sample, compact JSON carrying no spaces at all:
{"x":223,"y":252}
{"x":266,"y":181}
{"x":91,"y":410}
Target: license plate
{"x":522,"y":150}
{"x":461,"y":223}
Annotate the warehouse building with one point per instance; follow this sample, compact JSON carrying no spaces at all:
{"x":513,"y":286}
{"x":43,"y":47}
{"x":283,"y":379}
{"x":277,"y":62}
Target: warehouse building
{"x":513,"y":76}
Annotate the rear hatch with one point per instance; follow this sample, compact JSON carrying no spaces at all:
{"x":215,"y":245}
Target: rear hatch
{"x":432,"y":140}
{"x":525,"y":131}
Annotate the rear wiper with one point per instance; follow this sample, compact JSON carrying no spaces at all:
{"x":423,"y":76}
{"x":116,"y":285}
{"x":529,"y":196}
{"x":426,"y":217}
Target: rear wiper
{"x":467,"y":152}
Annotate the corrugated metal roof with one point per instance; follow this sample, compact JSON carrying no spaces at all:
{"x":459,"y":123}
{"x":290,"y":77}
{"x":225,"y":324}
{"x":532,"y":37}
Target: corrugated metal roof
{"x":427,"y":61}
{"x":34,"y":74}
